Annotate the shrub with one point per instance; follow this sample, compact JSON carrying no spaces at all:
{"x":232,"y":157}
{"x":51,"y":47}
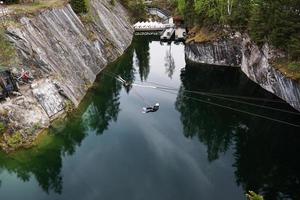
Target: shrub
{"x":15,"y":140}
{"x":2,"y":127}
{"x":79,"y":6}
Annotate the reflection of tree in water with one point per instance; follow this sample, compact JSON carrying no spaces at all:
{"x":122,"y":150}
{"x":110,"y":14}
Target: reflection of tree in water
{"x":212,"y":125}
{"x":267,"y":161}
{"x":266,"y":153}
{"x":170,"y":63}
{"x":102,"y":106}
{"x":45,"y":161}
{"x":141,"y":46}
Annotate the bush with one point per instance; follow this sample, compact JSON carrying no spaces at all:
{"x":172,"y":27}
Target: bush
{"x":79,"y":6}
{"x":2,"y":127}
{"x":15,"y":140}
{"x":253,"y":196}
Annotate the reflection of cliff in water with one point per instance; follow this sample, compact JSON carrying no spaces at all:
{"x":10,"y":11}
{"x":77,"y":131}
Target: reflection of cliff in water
{"x":266,"y":160}
{"x":100,"y":107}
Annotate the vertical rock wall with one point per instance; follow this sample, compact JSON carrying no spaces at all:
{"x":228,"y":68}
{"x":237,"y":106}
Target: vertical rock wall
{"x":222,"y":52}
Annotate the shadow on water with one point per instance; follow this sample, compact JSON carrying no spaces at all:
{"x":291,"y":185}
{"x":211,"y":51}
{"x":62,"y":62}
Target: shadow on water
{"x":266,"y":152}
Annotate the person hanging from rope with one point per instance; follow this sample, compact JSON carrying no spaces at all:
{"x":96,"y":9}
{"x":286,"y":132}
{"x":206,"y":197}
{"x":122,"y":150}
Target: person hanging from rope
{"x":151,"y":108}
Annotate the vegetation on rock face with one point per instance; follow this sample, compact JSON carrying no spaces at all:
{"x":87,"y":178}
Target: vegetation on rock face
{"x":79,"y":6}
{"x":2,"y":127}
{"x":253,"y":196}
{"x":8,"y":53}
{"x":15,"y":140}
{"x":136,"y":7}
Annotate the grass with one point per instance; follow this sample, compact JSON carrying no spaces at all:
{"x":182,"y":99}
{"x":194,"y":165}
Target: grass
{"x":7,"y":51}
{"x":288,"y":68}
{"x":39,"y":5}
{"x":201,"y":35}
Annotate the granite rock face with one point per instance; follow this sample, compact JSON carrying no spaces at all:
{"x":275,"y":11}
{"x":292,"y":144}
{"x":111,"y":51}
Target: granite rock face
{"x":225,"y":52}
{"x":255,"y":64}
{"x":58,"y":43}
{"x":65,"y":55}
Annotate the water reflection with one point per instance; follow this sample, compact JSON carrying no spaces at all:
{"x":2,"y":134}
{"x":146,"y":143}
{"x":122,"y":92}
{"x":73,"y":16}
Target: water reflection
{"x":169,"y":63}
{"x":266,"y":158}
{"x":265,"y":153}
{"x":141,"y":47}
{"x":267,"y":161}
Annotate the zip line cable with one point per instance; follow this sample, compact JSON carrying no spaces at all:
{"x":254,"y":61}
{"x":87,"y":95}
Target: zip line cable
{"x":237,"y":110}
{"x":224,"y":98}
{"x":225,"y":95}
{"x":213,"y":95}
{"x":237,"y":101}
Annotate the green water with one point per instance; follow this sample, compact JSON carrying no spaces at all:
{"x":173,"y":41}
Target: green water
{"x":189,"y":149}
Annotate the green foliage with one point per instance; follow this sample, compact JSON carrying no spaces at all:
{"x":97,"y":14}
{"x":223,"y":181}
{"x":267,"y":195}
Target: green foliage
{"x":15,"y":140}
{"x":137,"y":8}
{"x":181,"y":6}
{"x":273,"y":21}
{"x":2,"y":127}
{"x":79,"y":6}
{"x":253,"y":196}
{"x":8,"y":53}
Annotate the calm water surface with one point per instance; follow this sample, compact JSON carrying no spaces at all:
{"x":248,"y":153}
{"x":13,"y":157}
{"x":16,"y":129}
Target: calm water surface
{"x":189,"y":149}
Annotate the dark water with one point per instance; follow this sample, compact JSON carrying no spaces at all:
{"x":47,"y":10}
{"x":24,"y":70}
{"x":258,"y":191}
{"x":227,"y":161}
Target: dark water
{"x":190,"y":149}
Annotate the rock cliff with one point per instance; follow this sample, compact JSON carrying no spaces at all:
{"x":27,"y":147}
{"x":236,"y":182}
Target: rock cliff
{"x":253,"y":61}
{"x":65,"y":55}
{"x":255,"y":64}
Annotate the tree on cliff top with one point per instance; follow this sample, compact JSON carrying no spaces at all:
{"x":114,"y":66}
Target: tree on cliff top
{"x":79,"y":6}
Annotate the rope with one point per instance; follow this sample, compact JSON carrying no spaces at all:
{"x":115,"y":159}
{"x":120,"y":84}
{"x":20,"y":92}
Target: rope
{"x":238,"y":110}
{"x":224,"y":95}
{"x":224,"y":98}
{"x":214,"y":95}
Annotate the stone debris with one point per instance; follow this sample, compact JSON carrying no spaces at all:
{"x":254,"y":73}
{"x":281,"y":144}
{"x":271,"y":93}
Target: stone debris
{"x":48,"y":95}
